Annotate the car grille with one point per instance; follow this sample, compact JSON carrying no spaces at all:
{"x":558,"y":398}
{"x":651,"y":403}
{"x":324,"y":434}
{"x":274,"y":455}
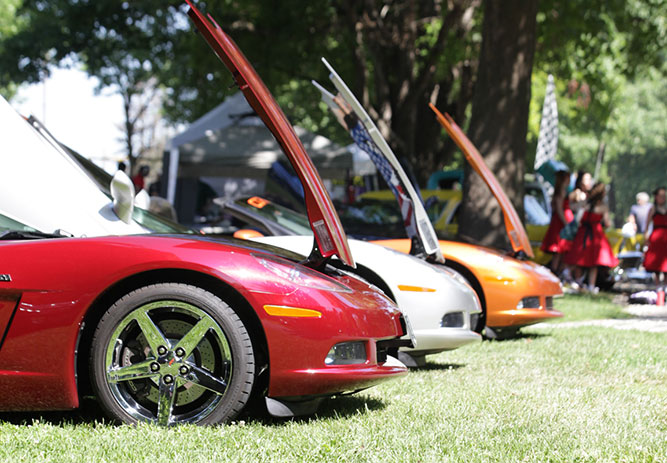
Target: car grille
{"x":382,"y":352}
{"x":550,"y":303}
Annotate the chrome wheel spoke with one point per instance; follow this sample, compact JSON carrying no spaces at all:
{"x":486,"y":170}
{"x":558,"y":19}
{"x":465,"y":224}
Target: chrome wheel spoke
{"x":165,"y":403}
{"x":190,"y":341}
{"x":206,"y":380}
{"x":151,"y":332}
{"x":167,"y":361}
{"x":135,"y":371}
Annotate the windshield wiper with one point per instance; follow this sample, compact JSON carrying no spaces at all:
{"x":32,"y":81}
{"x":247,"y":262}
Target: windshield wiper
{"x":26,"y":235}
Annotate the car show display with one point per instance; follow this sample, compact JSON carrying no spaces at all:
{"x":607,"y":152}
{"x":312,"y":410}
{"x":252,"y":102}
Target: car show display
{"x":178,"y":328}
{"x":514,"y":292}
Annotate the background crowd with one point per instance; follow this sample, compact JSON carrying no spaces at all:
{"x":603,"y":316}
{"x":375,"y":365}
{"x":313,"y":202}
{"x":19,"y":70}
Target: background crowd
{"x":576,"y":234}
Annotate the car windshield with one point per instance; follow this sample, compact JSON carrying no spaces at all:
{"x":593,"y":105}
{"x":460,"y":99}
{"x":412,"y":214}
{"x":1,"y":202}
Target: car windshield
{"x":292,"y":220}
{"x":369,"y":217}
{"x":102,"y":179}
{"x":7,"y":224}
{"x":11,"y":230}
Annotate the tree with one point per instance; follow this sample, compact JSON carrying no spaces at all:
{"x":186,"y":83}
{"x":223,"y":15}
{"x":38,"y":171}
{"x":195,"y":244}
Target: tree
{"x":499,"y":120}
{"x":9,"y":26}
{"x":609,"y":63}
{"x":396,"y":55}
{"x":115,"y":41}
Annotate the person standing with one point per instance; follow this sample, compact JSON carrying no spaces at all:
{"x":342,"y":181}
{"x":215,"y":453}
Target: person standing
{"x":655,"y":259}
{"x":582,"y":187}
{"x":639,"y":212}
{"x":590,"y":247}
{"x":140,"y":178}
{"x":561,"y":214}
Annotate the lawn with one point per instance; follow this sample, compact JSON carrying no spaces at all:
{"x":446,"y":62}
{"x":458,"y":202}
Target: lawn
{"x":567,"y":394}
{"x":577,"y":307}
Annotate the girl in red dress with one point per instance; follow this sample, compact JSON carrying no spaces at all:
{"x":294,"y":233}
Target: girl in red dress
{"x":561,"y":214}
{"x":590,"y":248}
{"x":655,"y":259}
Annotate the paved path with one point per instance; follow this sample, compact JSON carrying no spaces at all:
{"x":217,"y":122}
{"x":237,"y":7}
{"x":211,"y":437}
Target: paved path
{"x":645,"y":318}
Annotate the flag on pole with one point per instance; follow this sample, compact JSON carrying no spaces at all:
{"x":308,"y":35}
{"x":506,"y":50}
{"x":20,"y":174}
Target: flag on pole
{"x":547,"y":140}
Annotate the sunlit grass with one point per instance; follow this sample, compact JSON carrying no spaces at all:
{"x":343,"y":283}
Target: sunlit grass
{"x":576,"y":307}
{"x":554,"y":394}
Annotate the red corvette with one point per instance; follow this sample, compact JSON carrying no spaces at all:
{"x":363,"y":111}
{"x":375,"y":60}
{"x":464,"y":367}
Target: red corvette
{"x":174,"y":329}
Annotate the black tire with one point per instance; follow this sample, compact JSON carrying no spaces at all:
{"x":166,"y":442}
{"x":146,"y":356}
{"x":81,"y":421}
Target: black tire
{"x":500,"y":334}
{"x":172,"y":353}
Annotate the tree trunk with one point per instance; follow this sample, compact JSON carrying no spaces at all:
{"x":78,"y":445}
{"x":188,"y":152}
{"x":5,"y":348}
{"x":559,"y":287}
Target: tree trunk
{"x":499,"y":120}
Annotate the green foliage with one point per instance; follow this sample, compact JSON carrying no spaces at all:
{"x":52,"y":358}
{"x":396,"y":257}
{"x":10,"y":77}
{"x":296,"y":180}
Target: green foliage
{"x":396,"y":56}
{"x":10,"y":25}
{"x":607,"y":58}
{"x":634,"y":134}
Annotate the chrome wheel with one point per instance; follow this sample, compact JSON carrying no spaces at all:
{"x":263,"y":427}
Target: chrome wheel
{"x":169,"y":361}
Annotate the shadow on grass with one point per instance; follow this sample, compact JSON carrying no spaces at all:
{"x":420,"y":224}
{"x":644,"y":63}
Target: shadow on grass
{"x":439,"y":367}
{"x":520,"y":336}
{"x":337,"y":407}
{"x":90,"y":413}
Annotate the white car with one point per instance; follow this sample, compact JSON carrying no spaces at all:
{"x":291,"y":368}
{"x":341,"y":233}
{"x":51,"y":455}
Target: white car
{"x":73,"y":191}
{"x":437,"y":301}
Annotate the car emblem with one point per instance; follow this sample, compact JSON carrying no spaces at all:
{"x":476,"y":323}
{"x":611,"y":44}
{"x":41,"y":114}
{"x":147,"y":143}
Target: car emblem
{"x":5,"y":277}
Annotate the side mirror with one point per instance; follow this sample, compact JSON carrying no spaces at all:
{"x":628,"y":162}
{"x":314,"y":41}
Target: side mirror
{"x":122,"y":192}
{"x":142,"y":200}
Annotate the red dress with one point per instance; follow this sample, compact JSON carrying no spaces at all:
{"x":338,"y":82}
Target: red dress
{"x":655,"y":259}
{"x":590,"y":247}
{"x":552,"y":241}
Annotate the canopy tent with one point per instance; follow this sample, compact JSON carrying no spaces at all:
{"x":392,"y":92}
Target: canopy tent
{"x":232,"y":141}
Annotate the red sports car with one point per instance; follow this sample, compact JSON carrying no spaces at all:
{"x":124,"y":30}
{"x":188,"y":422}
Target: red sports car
{"x":174,"y":329}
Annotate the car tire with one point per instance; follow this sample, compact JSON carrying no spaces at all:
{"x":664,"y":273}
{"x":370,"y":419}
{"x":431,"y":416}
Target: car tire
{"x":172,"y":353}
{"x":500,"y":334}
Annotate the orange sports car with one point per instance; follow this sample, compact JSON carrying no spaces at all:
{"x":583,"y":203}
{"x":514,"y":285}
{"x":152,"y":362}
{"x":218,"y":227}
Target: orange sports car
{"x":514,"y":292}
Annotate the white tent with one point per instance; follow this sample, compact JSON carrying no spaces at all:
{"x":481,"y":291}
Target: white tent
{"x":232,"y":141}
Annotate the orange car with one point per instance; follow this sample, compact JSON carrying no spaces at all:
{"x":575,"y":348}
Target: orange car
{"x":513,"y":292}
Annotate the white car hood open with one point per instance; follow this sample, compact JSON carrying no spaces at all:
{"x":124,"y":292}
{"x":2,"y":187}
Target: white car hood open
{"x":46,"y":189}
{"x":418,"y":226}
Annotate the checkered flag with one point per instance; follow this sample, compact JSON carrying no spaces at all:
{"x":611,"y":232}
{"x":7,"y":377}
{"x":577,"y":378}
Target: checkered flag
{"x":547,"y":140}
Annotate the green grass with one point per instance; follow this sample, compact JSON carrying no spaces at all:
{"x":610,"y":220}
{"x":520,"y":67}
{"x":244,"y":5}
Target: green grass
{"x":576,"y":307}
{"x":585,"y":394}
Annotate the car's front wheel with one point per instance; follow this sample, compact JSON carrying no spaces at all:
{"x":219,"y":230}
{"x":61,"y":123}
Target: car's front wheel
{"x":172,"y":353}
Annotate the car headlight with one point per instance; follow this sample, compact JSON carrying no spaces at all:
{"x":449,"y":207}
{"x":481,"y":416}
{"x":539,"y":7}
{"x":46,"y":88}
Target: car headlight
{"x":300,"y":275}
{"x":347,"y":353}
{"x":532,"y":302}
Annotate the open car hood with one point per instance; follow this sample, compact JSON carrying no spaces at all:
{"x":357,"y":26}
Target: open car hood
{"x":329,"y":235}
{"x":515,"y":229}
{"x":416,"y":220}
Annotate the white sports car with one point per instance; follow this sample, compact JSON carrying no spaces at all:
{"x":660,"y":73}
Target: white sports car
{"x":437,"y":301}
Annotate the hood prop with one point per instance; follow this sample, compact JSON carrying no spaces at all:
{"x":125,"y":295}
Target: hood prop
{"x":316,"y":260}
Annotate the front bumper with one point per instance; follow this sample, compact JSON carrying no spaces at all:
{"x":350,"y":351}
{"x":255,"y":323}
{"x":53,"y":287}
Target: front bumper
{"x":431,"y":341}
{"x":517,"y":318}
{"x":331,"y":380}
